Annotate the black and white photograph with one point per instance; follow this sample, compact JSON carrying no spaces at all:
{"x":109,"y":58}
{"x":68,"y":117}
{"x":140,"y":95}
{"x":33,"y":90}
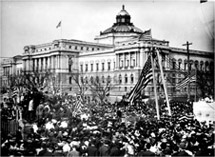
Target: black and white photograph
{"x":85,"y":78}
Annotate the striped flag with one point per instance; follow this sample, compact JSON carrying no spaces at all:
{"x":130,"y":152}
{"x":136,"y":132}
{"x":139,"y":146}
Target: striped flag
{"x":147,"y":35}
{"x":186,"y":117}
{"x":78,"y":105}
{"x":145,"y":78}
{"x":185,"y":81}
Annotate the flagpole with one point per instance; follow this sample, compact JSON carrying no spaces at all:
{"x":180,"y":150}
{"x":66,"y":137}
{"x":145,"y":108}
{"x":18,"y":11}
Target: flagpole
{"x":155,"y":88}
{"x":61,"y":30}
{"x":163,"y":81}
{"x":196,"y":84}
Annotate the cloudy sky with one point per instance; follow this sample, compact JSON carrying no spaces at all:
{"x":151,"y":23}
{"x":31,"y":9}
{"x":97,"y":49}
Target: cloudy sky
{"x":34,"y":22}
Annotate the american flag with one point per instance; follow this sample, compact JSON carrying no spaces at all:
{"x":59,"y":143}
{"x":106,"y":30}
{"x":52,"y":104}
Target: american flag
{"x":147,"y":35}
{"x":145,"y":78}
{"x":185,"y":81}
{"x":78,"y":105}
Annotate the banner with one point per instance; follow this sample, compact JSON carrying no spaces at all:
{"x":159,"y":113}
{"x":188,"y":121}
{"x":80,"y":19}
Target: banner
{"x":204,"y":111}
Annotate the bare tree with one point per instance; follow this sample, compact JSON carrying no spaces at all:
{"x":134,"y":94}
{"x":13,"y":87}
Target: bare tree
{"x":100,"y":88}
{"x":80,"y":83}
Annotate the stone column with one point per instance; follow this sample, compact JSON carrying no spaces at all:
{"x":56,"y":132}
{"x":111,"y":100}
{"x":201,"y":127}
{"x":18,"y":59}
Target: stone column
{"x":39,"y":64}
{"x":138,"y":59}
{"x":33,"y":64}
{"x":57,"y":62}
{"x":117,"y":61}
{"x":51,"y":63}
{"x":130,"y":59}
{"x":124,"y":58}
{"x":30,"y":64}
{"x":65,"y":63}
{"x":48,"y":63}
{"x":141,"y":58}
{"x":27,"y":65}
{"x":135,"y":57}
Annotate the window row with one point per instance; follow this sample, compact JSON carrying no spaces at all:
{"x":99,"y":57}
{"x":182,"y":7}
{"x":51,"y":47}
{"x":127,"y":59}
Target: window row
{"x":83,"y":48}
{"x":96,"y":79}
{"x":203,"y":66}
{"x":97,"y":65}
{"x":127,"y":63}
{"x":126,"y":78}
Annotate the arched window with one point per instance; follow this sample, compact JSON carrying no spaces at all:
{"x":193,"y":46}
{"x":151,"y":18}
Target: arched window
{"x":196,"y":64}
{"x":103,"y":79}
{"x":173,"y":63}
{"x":132,"y":78}
{"x":97,"y":79}
{"x":201,"y":65}
{"x":109,"y":79}
{"x":191,"y":64}
{"x":91,"y":79}
{"x":120,"y":78}
{"x":126,"y":78}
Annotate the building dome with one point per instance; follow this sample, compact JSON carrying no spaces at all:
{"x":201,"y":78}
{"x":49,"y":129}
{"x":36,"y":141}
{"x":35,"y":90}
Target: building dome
{"x":123,"y":24}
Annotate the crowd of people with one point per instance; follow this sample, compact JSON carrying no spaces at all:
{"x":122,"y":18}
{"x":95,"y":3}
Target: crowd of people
{"x":51,"y":128}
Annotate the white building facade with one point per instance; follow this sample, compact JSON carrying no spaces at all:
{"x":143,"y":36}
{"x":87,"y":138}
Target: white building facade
{"x":118,"y":55}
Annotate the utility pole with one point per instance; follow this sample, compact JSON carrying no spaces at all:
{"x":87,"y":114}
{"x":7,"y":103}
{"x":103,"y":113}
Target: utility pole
{"x":188,"y":63}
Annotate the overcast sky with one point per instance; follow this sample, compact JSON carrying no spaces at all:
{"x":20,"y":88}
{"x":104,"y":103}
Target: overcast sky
{"x":34,"y":22}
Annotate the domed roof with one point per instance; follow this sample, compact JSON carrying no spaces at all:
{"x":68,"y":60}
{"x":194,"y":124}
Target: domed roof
{"x":123,"y":24}
{"x":122,"y":29}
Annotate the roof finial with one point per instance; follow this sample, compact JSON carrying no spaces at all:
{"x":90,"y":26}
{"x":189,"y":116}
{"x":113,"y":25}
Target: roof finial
{"x":123,"y":7}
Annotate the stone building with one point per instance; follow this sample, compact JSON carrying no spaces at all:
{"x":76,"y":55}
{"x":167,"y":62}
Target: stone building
{"x":117,"y":56}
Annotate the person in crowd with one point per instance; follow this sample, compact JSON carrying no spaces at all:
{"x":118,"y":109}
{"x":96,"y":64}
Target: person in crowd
{"x":146,"y":151}
{"x":31,"y":110}
{"x":141,"y":136}
{"x":91,"y":149}
{"x":104,"y":148}
{"x":73,"y":152}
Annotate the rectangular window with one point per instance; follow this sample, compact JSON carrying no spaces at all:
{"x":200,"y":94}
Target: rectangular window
{"x":127,"y":63}
{"x":91,"y":67}
{"x":70,"y":80}
{"x":86,"y":67}
{"x":70,"y":68}
{"x":81,"y":68}
{"x":121,"y":63}
{"x":97,"y":66}
{"x":108,"y":65}
{"x":133,"y":63}
{"x":103,"y":66}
